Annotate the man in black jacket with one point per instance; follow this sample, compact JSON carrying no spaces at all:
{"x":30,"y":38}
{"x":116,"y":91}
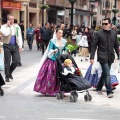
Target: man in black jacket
{"x":105,"y":41}
{"x":46,"y":36}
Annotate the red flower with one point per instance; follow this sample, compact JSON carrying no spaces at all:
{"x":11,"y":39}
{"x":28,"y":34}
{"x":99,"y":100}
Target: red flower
{"x":78,"y":71}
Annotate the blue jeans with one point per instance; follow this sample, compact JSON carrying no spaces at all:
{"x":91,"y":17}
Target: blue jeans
{"x":30,"y":40}
{"x":105,"y":78}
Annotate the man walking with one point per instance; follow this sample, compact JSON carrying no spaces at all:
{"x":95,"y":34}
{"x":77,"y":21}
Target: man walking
{"x":12,"y":45}
{"x":46,"y":36}
{"x":105,"y":41}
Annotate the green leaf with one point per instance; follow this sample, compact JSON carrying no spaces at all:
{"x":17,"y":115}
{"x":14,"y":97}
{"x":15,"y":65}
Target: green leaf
{"x":44,"y":6}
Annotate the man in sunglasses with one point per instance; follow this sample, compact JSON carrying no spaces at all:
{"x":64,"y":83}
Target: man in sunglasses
{"x":105,"y":41}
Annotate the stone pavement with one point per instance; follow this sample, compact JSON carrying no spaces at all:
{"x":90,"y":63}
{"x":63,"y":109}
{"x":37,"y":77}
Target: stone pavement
{"x":25,"y":78}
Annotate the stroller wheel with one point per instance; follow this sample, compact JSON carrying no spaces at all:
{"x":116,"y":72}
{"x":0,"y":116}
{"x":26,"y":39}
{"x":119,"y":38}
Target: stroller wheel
{"x":58,"y":96}
{"x":73,"y":98}
{"x":61,"y":95}
{"x":89,"y":97}
{"x":86,"y":97}
{"x":1,"y":92}
{"x":76,"y":94}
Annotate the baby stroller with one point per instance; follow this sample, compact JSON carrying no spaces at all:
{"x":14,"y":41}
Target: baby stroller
{"x":69,"y":85}
{"x":1,"y":84}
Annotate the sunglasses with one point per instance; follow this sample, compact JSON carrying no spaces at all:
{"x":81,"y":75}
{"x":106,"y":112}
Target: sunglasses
{"x":105,"y":23}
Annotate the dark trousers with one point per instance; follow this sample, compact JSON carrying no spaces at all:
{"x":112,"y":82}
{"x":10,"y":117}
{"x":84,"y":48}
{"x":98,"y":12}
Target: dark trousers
{"x":44,"y":44}
{"x":30,"y":41}
{"x":38,"y":45}
{"x":105,"y":78}
{"x":11,"y":52}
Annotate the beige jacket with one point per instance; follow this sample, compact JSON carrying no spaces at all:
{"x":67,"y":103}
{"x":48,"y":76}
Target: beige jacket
{"x":7,"y":33}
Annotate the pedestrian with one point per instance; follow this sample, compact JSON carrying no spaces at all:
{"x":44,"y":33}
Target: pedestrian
{"x":46,"y":36}
{"x":89,"y":36}
{"x":47,"y":82}
{"x":73,"y":36}
{"x":82,"y":27}
{"x":83,"y":53}
{"x":12,"y":45}
{"x":1,"y":54}
{"x":2,"y":82}
{"x":21,"y":24}
{"x":105,"y":41}
{"x":30,"y":36}
{"x":38,"y":37}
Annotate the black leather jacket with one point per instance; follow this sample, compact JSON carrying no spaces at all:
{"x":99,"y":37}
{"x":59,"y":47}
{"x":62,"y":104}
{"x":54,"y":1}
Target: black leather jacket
{"x":105,"y":42}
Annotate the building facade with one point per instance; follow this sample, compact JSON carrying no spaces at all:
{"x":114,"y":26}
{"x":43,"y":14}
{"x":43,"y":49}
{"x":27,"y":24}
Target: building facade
{"x":60,"y":11}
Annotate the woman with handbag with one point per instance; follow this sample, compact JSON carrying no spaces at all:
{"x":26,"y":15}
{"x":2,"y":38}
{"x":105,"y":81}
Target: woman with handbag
{"x":46,"y":82}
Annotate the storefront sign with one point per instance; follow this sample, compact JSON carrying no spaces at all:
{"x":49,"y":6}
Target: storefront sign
{"x":11,"y":5}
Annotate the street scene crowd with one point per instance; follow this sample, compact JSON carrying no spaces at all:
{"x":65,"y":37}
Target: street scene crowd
{"x":98,"y":44}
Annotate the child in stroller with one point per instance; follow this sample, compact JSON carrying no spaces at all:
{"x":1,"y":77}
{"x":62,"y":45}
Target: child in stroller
{"x":70,"y":80}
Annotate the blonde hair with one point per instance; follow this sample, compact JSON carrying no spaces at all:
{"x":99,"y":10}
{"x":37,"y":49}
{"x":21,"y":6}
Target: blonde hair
{"x":67,"y":61}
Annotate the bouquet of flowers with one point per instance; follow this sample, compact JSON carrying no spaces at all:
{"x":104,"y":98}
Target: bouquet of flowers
{"x":78,"y":72}
{"x":71,"y":45}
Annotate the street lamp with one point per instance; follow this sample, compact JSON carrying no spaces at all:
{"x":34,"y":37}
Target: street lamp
{"x":72,"y":6}
{"x":114,"y":10}
{"x":43,"y":7}
{"x":92,"y":5}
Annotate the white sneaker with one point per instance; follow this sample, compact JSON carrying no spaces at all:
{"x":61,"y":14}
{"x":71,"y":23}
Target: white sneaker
{"x":110,"y":95}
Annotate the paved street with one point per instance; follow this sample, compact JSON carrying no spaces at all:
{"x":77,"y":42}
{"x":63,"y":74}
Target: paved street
{"x":22,"y":103}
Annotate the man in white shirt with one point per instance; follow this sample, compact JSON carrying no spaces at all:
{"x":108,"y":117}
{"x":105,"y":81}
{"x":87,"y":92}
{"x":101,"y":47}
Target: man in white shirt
{"x":12,"y":45}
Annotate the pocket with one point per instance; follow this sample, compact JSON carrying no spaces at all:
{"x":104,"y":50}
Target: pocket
{"x":102,"y":56}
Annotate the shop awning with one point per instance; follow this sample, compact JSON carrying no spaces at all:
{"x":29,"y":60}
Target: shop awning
{"x":11,"y":5}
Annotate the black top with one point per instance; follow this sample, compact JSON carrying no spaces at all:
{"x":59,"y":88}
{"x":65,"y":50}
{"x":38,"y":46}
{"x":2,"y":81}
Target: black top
{"x":105,"y":42}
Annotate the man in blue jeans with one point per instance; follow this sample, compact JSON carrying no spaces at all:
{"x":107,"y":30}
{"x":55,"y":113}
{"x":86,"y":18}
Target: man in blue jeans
{"x":105,"y":41}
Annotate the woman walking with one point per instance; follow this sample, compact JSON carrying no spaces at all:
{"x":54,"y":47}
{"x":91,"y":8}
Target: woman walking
{"x":47,"y":82}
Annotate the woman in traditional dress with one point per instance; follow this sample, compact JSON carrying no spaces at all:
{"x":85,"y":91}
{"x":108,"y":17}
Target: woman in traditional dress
{"x":94,"y":72}
{"x":84,"y":53}
{"x":47,"y":82}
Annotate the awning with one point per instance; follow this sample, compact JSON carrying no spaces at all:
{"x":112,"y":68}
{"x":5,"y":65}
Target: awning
{"x":11,"y":5}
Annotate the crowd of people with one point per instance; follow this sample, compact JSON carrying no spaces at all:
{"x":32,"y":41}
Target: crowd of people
{"x":52,"y":40}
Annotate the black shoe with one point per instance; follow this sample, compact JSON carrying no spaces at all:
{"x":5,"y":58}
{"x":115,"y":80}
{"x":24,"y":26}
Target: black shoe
{"x":11,"y":77}
{"x":19,"y":64}
{"x":7,"y":79}
{"x":113,"y":88}
{"x":1,"y":92}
